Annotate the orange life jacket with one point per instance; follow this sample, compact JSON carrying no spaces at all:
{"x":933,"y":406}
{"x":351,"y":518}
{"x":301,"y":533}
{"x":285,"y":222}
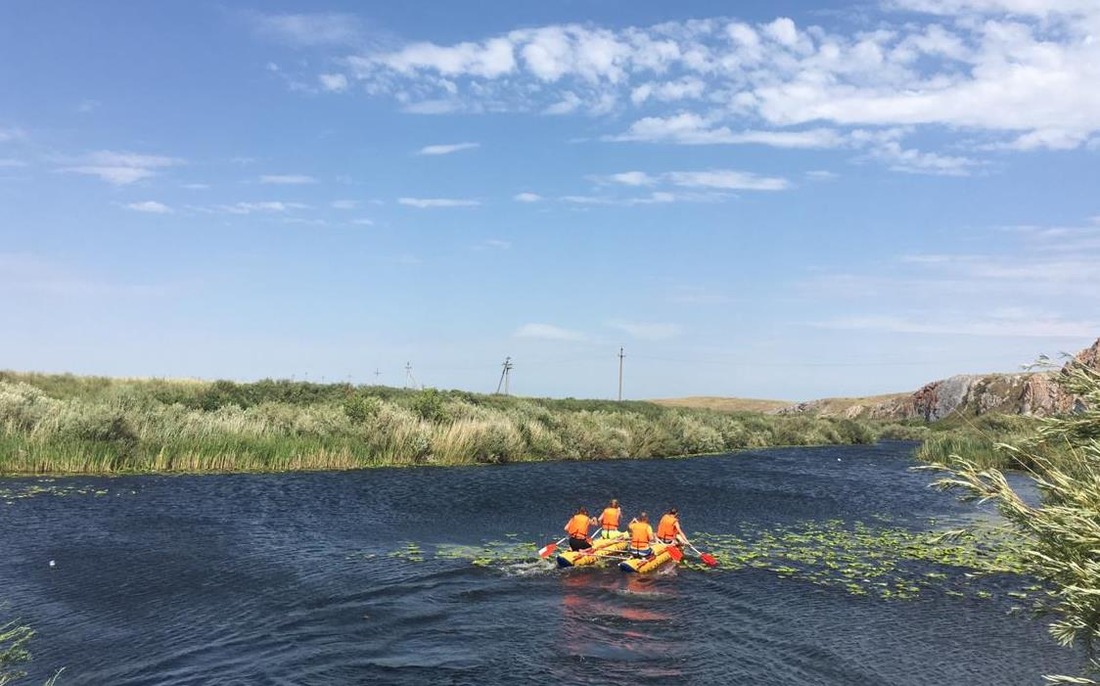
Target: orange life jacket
{"x":667,"y":527}
{"x":640,"y":534}
{"x":577,"y":526}
{"x":610,"y":518}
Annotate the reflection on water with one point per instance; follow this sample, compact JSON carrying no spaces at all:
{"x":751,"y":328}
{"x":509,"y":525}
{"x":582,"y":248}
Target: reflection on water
{"x":607,"y":619}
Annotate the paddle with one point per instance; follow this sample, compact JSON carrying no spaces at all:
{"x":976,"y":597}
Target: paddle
{"x":708,"y":559}
{"x":548,"y":549}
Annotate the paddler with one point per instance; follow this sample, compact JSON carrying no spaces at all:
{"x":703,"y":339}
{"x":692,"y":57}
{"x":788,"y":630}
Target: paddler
{"x":668,"y":529}
{"x":609,"y":519}
{"x":641,"y":536}
{"x":577,"y":528}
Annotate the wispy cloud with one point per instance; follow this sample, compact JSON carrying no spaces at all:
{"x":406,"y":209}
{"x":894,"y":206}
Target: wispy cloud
{"x":717,"y":179}
{"x":1020,"y":324}
{"x":426,"y":203}
{"x":447,"y":149}
{"x":493,"y":244}
{"x":10,"y":162}
{"x":333,"y":83}
{"x":27,"y":273}
{"x":287,"y":179}
{"x":651,"y":331}
{"x":344,"y":204}
{"x":149,"y":206}
{"x":120,"y":168}
{"x":527,"y":197}
{"x":265,"y":207}
{"x":11,"y":134}
{"x":307,"y":30}
{"x":549,"y":332}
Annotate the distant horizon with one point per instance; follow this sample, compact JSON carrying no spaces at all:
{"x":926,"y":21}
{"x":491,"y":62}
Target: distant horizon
{"x":793,"y":200}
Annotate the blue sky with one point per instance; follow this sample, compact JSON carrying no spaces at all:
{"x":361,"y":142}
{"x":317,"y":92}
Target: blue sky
{"x":785,"y":200}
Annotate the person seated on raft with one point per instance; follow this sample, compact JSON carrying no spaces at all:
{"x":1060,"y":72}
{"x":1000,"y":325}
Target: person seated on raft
{"x":577,"y":528}
{"x":641,"y":536}
{"x":609,"y":520}
{"x":668,"y":529}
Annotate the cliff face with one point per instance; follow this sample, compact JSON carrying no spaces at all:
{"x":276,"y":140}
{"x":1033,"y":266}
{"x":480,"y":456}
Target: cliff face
{"x":1031,"y":393}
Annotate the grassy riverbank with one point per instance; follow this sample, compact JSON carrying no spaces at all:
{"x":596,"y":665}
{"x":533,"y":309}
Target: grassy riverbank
{"x":1062,"y":534}
{"x":63,"y":424}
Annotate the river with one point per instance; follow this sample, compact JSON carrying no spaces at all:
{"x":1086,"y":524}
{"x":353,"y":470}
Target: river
{"x":429,"y":576}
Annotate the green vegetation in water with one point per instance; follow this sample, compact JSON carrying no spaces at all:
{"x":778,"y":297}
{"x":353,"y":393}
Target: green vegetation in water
{"x":877,"y":560}
{"x":62,"y":424}
{"x":13,"y":491}
{"x":1062,"y":534}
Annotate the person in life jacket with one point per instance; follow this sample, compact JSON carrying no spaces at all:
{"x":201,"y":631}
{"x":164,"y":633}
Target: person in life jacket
{"x":668,"y":529}
{"x":577,"y":528}
{"x":641,"y":536}
{"x":609,"y":519}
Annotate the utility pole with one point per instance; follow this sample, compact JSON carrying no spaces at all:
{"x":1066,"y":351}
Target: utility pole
{"x":505,"y":375}
{"x":377,"y":373}
{"x":621,"y":356}
{"x":409,"y":378}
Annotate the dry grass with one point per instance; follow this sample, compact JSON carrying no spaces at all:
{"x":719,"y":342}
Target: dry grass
{"x":719,"y":404}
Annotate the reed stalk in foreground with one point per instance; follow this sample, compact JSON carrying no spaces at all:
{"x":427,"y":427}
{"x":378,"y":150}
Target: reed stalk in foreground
{"x":1063,"y":531}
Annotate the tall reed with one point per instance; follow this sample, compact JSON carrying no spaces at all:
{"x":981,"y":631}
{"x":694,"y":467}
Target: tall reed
{"x":1063,"y":532}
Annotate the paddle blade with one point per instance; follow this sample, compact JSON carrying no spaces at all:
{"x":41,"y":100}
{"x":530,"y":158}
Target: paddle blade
{"x":547,"y":550}
{"x":676,"y":553}
{"x":708,"y":560}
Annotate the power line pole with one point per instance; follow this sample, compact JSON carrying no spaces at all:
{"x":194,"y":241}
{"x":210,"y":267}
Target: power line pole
{"x":377,"y":373}
{"x":621,"y":356}
{"x":505,"y":375}
{"x":409,"y":378}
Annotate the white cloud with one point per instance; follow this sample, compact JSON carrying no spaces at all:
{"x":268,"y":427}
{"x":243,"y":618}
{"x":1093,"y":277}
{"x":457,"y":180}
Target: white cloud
{"x":265,"y":207}
{"x":150,"y":206}
{"x":424,"y":203}
{"x":1020,"y":74}
{"x":287,"y":179}
{"x":727,"y":179}
{"x":9,"y":162}
{"x":333,"y":83}
{"x":362,"y":222}
{"x":307,"y":30}
{"x":720,"y":179}
{"x":344,"y":204}
{"x":447,"y":149}
{"x":633,"y":178}
{"x":86,"y":106}
{"x":687,"y":128}
{"x":648,"y":331}
{"x":196,"y":186}
{"x":120,"y":168}
{"x":549,"y":332}
{"x":821,"y":175}
{"x":527,"y":197}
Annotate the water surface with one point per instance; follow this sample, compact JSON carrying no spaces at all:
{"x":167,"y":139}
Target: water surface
{"x":365,"y":577}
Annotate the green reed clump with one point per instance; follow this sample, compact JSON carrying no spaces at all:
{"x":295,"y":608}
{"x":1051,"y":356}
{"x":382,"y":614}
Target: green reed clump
{"x":68,"y":424}
{"x":1063,"y":531}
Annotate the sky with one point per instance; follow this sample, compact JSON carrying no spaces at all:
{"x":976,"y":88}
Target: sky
{"x":786,"y":200}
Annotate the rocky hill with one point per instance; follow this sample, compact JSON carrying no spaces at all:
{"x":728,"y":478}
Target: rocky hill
{"x":1029,"y":393}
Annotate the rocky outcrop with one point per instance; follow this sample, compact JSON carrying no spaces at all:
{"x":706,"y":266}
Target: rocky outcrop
{"x":1030,"y":393}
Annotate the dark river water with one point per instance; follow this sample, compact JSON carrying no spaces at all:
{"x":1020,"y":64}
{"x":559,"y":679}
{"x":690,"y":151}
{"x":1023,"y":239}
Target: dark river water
{"x":369,"y":577}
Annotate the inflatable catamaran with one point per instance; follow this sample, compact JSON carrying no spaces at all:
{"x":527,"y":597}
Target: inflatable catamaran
{"x":615,"y":549}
